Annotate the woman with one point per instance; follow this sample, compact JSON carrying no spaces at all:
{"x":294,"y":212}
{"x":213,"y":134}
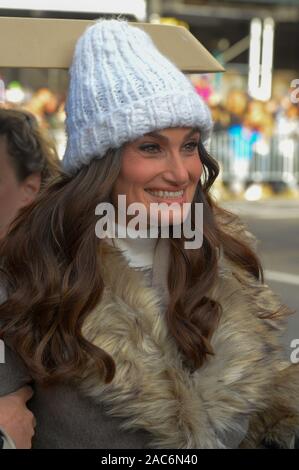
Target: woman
{"x":132,"y":344}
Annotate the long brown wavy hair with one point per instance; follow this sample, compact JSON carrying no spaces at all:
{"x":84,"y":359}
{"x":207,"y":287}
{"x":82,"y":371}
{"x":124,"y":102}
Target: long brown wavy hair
{"x":50,"y":262}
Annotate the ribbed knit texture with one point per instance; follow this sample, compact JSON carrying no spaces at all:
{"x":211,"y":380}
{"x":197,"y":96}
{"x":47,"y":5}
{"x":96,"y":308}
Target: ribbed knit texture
{"x":122,"y":87}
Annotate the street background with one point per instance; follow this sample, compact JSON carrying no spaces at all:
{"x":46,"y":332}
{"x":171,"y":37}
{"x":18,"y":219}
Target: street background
{"x":254,"y":106}
{"x":276,"y":226}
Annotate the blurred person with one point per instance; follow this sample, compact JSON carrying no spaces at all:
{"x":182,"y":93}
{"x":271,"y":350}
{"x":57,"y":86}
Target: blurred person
{"x":243,"y":139}
{"x":144,"y":343}
{"x":287,"y":123}
{"x":287,"y":131}
{"x":250,"y":133}
{"x":221,"y":117}
{"x":27,"y":161}
{"x":204,"y":87}
{"x":43,"y":104}
{"x":259,"y":118}
{"x":236,"y":104}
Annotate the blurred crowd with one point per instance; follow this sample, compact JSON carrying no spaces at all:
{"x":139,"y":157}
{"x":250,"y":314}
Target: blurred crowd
{"x":46,"y":105}
{"x":244,"y":127}
{"x":235,"y":113}
{"x":252,"y":139}
{"x":273,"y":117}
{"x":237,"y":109}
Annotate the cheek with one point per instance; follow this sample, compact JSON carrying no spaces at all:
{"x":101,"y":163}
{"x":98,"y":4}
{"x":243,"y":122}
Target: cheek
{"x":134,"y":175}
{"x":137,"y":173}
{"x":195,"y":169}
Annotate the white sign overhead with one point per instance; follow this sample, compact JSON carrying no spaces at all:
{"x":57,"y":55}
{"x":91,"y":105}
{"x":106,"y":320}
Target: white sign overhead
{"x":133,"y":7}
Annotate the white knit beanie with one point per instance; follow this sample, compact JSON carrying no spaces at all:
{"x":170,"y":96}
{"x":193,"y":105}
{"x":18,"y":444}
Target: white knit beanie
{"x":122,"y":87}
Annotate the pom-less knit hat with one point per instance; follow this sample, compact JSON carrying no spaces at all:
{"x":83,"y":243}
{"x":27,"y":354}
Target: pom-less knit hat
{"x":122,"y":87}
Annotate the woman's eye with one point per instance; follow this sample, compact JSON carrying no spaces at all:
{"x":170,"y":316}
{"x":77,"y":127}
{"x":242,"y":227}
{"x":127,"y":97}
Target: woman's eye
{"x":150,"y":148}
{"x":191,"y":146}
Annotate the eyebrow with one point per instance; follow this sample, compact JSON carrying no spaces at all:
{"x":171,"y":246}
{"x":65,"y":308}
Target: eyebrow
{"x":193,"y":131}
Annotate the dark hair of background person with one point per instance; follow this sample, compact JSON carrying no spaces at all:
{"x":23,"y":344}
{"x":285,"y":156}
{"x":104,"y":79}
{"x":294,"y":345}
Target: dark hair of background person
{"x":52,"y":292}
{"x":29,"y":150}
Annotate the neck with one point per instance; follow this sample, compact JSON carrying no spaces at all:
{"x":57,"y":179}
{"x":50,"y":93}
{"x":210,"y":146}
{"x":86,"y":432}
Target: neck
{"x":138,"y":251}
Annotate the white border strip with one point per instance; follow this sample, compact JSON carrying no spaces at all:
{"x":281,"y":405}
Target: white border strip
{"x":133,"y":7}
{"x":284,"y":278}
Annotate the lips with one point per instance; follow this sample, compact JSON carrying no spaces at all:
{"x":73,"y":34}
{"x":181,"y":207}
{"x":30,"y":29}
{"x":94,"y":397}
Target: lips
{"x":167,"y":196}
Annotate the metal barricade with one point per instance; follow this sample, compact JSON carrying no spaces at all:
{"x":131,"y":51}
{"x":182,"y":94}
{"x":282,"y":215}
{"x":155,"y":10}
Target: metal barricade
{"x":268,"y":160}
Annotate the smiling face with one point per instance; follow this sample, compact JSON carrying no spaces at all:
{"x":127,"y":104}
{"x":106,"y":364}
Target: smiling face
{"x":162,"y":166}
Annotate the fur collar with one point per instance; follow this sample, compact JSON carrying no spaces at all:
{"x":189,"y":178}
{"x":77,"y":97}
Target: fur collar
{"x":152,"y":388}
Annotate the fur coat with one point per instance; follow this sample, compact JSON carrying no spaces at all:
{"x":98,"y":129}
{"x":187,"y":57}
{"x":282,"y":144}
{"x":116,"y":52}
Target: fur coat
{"x":243,"y":396}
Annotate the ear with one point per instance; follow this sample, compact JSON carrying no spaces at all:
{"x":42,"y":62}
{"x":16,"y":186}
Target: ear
{"x":30,"y":188}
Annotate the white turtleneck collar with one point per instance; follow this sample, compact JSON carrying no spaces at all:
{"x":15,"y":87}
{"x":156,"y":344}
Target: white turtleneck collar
{"x":138,"y":251}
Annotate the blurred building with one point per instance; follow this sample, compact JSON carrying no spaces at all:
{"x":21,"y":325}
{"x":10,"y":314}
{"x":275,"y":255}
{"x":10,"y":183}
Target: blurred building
{"x":223,"y":26}
{"x":221,"y":23}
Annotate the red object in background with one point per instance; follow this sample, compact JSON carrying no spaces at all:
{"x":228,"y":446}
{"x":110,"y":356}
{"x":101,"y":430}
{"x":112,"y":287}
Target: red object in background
{"x":204,"y":92}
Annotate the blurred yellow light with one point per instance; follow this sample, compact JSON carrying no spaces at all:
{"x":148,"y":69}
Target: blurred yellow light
{"x":174,"y":22}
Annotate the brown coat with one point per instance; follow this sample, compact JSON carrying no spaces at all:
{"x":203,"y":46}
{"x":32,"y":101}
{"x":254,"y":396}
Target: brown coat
{"x":242,"y":396}
{"x":244,"y":390}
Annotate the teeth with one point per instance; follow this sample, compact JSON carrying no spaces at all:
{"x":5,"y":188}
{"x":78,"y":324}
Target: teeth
{"x":170,"y":194}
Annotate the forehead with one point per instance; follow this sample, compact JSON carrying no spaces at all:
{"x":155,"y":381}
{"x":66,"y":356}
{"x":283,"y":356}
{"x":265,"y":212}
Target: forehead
{"x":173,"y":133}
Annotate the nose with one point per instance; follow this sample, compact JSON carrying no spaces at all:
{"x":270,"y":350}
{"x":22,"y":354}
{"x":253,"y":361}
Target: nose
{"x":177,"y":171}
